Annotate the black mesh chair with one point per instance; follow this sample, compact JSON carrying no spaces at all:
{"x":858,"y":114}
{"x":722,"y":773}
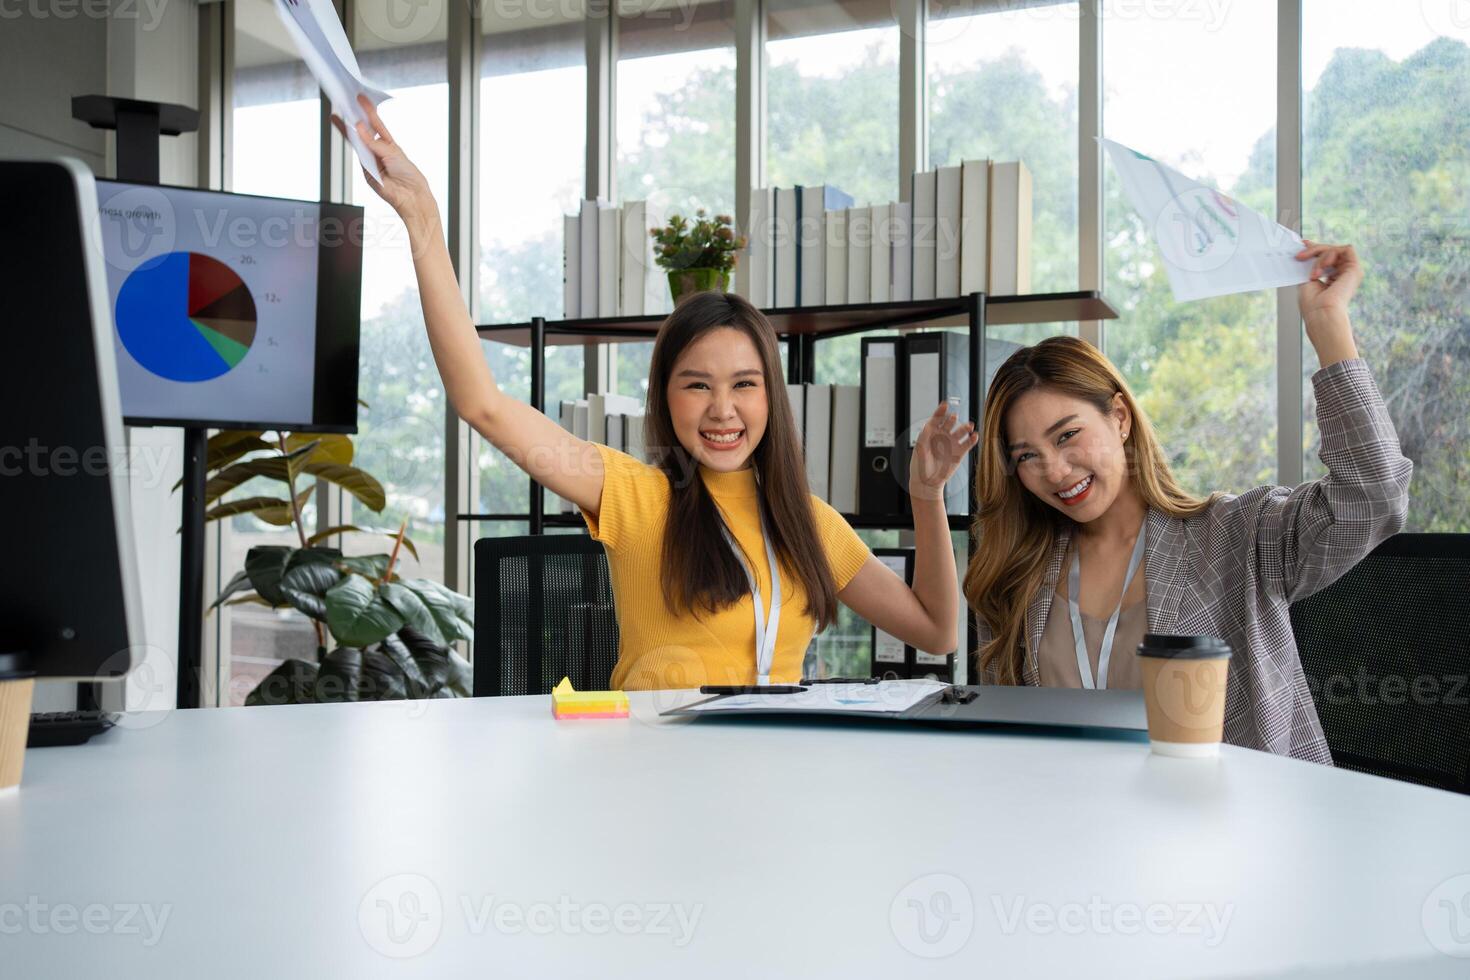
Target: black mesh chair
{"x":1386,"y":651}
{"x":543,"y":611}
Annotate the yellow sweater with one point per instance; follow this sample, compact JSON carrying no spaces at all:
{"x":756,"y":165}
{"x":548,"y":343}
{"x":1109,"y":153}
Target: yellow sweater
{"x":658,"y":650}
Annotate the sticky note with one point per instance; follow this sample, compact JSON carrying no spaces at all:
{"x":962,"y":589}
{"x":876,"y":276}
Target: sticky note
{"x":568,"y":703}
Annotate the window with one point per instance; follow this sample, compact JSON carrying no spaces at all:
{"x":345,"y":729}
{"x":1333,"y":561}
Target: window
{"x":1204,"y":371}
{"x":1003,"y":85}
{"x":832,"y":97}
{"x":1386,"y":166}
{"x":400,"y":436}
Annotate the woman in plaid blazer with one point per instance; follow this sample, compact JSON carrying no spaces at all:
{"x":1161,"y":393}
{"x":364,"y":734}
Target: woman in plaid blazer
{"x":1071,"y":474}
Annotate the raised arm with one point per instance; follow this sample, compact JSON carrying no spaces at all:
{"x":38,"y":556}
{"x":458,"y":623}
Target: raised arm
{"x":548,"y":453}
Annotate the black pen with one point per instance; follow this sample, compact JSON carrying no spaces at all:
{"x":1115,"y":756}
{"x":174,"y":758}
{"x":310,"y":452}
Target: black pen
{"x":750,"y":689}
{"x":839,"y":680}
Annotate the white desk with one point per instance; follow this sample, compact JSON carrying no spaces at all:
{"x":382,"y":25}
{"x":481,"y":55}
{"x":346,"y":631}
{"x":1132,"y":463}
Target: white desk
{"x":263,"y":832}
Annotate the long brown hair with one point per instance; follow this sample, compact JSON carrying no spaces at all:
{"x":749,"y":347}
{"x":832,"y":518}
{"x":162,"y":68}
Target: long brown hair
{"x":700,"y":572}
{"x":1014,"y":530}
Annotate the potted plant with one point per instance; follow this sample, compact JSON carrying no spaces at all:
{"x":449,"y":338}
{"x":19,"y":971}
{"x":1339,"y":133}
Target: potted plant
{"x":392,"y":635}
{"x":698,"y":257}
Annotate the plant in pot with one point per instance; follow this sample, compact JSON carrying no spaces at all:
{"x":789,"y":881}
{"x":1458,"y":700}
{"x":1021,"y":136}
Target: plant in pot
{"x":700,"y":256}
{"x":392,"y":635}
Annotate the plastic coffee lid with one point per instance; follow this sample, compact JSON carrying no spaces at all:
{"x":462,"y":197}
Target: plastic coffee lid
{"x":15,"y":666}
{"x":1183,"y":647}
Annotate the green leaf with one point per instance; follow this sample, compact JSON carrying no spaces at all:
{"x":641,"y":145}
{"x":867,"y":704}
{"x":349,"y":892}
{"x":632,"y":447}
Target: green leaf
{"x":446,"y":672}
{"x":265,"y":564}
{"x":310,"y":573}
{"x":416,"y":683}
{"x":349,"y":674}
{"x":272,"y":510}
{"x":293,"y":682}
{"x":240,"y":582}
{"x":360,"y":484}
{"x":412,"y":609}
{"x":349,"y":528}
{"x":250,"y":600}
{"x":454,"y":613}
{"x":223,"y":482}
{"x":226,"y":447}
{"x":330,"y":447}
{"x":357,"y":615}
{"x":368,"y":566}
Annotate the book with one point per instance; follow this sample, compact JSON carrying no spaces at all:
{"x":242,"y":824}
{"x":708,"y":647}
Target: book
{"x":880,"y":255}
{"x":817,"y":424}
{"x":974,"y":227}
{"x":633,"y":436}
{"x":797,"y":396}
{"x":633,"y":271}
{"x":859,"y":255}
{"x":835,"y":240}
{"x":571,"y":266}
{"x":902,"y":233}
{"x":947,"y":233}
{"x":615,"y":430}
{"x":783,"y":247}
{"x":1010,"y":229}
{"x":609,"y":232}
{"x":758,"y":268}
{"x":926,"y":186}
{"x":842,"y":483}
{"x":812,"y":203}
{"x":587,"y":261}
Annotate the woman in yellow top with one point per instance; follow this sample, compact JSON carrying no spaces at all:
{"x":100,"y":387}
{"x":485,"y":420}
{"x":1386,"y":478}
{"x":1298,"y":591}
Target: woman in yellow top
{"x":692,"y":609}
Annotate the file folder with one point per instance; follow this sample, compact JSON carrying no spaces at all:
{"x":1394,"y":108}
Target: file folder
{"x":891,"y":658}
{"x":880,"y":494}
{"x":938,"y":364}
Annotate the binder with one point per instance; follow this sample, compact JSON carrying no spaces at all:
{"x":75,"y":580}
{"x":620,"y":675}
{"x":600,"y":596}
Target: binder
{"x":758,"y":266}
{"x":818,"y":428}
{"x":634,"y":271}
{"x":615,"y":430}
{"x":975,"y":230}
{"x":1010,"y":229}
{"x":880,"y":255}
{"x":901,"y":236}
{"x":796,"y":394}
{"x":947,"y":233}
{"x":938,"y":367}
{"x":633,"y":436}
{"x":884,"y":379}
{"x":891,"y":658}
{"x":609,"y":231}
{"x":836,"y":245}
{"x":571,"y":267}
{"x":859,"y":254}
{"x":783,"y":247}
{"x":847,"y":402}
{"x":925,"y":202}
{"x":587,"y":225}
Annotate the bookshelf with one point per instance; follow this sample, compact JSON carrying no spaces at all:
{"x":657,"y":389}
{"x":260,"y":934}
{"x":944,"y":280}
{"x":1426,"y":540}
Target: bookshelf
{"x":801,"y":328}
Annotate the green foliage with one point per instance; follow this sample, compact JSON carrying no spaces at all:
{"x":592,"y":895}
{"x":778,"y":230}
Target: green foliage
{"x":709,"y":243}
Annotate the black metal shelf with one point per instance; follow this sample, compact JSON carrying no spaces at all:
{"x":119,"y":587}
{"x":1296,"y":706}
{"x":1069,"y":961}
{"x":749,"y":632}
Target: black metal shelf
{"x":896,"y":522}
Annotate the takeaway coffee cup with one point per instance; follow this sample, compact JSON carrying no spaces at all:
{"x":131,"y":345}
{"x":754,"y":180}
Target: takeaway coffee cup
{"x":16,"y":687}
{"x":1184,"y":680}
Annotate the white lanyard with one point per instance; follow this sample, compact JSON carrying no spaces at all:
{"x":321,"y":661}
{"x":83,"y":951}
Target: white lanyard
{"x":1074,"y":580}
{"x":765,"y":629}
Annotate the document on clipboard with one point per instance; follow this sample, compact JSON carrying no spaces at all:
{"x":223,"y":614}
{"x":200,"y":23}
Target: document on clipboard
{"x":890,"y":697}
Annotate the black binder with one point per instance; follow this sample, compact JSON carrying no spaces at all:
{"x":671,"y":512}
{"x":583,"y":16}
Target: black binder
{"x":881,"y":492}
{"x":943,"y":358}
{"x":891,"y":658}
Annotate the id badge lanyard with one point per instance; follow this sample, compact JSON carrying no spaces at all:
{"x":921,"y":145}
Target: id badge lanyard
{"x":765,"y":629}
{"x":1074,"y":580}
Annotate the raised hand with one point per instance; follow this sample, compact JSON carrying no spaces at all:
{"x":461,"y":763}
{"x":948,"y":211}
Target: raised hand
{"x":937,"y":454}
{"x":1343,"y":271}
{"x":402,"y":185}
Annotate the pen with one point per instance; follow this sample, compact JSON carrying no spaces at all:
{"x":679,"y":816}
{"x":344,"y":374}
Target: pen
{"x":750,"y":689}
{"x":839,"y":680}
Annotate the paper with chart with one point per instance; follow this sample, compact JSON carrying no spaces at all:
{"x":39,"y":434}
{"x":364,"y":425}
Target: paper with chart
{"x":884,"y":697}
{"x":317,"y":33}
{"x":1212,"y":244}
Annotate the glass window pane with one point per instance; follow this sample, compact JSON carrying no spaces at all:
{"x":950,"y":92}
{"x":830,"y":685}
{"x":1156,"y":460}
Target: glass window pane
{"x":832,"y":97}
{"x":1204,"y":371}
{"x":1386,"y":166}
{"x":1003,"y":85}
{"x":401,"y":431}
{"x":276,"y":110}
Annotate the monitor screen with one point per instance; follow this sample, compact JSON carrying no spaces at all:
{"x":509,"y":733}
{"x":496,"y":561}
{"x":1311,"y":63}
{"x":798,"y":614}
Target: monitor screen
{"x":232,"y":311}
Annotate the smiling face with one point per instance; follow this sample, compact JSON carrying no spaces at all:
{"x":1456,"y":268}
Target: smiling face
{"x":718,"y":400}
{"x":1067,"y":452}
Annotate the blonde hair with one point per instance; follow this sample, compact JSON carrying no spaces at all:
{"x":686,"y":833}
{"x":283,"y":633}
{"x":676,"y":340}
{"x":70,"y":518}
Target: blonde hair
{"x":1014,"y":530}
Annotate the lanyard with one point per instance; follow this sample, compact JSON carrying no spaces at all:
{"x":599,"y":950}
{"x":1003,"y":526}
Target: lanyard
{"x":765,"y":629}
{"x":1074,"y":580}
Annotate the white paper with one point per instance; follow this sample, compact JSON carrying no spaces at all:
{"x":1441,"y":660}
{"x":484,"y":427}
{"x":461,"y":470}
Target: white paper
{"x":317,"y":33}
{"x":884,"y":697}
{"x":1212,"y":244}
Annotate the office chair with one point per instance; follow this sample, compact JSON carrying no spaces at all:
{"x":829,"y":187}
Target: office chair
{"x":543,"y":611}
{"x":1386,"y":651}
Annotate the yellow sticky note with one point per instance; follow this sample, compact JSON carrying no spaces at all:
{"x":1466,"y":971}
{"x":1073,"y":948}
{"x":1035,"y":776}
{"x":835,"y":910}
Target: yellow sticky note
{"x":566,"y":701}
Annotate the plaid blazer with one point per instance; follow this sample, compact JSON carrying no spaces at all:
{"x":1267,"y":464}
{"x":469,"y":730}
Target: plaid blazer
{"x":1232,"y":570}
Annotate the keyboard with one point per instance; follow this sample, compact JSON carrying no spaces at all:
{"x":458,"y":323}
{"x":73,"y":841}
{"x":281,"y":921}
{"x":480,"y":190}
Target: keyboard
{"x":66,"y":727}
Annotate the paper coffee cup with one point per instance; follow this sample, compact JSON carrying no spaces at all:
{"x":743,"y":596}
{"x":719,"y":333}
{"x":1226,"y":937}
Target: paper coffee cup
{"x":1184,"y":679}
{"x":17,"y":684}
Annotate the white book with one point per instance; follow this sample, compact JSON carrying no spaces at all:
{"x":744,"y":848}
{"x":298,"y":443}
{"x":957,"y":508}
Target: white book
{"x":758,"y":228}
{"x":600,"y":406}
{"x":974,"y":227}
{"x":925,"y":187}
{"x":633,"y":437}
{"x":615,"y":430}
{"x":634,"y":271}
{"x":880,"y":255}
{"x":903,"y":252}
{"x":843,"y":481}
{"x":580,"y":418}
{"x":609,"y":231}
{"x":818,"y":442}
{"x":1010,"y":229}
{"x":947,"y":233}
{"x":571,"y":266}
{"x":859,"y":255}
{"x":588,"y":259}
{"x":812,"y":204}
{"x":784,"y":246}
{"x":836,"y":225}
{"x":797,"y":395}
{"x":656,"y":296}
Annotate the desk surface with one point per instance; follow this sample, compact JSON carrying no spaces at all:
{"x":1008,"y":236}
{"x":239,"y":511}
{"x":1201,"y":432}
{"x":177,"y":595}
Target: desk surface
{"x":491,"y":841}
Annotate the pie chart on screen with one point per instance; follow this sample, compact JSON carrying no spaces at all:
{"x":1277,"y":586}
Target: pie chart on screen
{"x":185,"y":316}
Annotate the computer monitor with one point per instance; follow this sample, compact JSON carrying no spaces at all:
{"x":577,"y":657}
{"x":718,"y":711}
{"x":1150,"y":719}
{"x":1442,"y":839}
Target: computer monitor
{"x":69,"y":593}
{"x":233,"y":311}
